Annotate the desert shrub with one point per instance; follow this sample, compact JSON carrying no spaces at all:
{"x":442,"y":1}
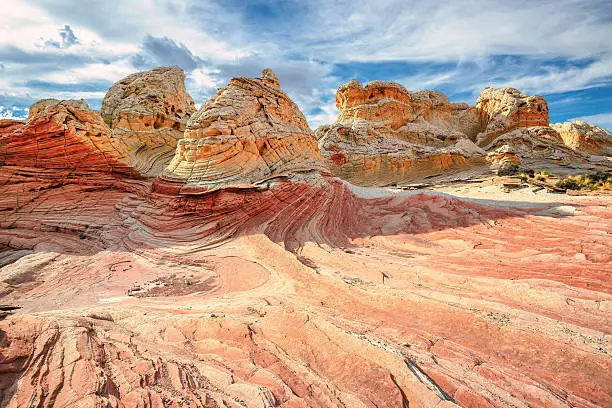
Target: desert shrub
{"x":509,"y":170}
{"x":82,"y":235}
{"x":570,"y":183}
{"x":544,"y":173}
{"x":593,"y":181}
{"x":601,"y":177}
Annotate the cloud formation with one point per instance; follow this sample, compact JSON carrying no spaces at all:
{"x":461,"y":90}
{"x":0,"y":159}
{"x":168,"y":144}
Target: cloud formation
{"x":161,"y":51}
{"x":560,"y":49}
{"x":67,"y":39}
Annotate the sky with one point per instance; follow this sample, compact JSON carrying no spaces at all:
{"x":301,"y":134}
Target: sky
{"x":68,"y":49}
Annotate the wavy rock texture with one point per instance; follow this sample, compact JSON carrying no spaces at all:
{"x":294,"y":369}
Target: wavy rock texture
{"x":309,"y":293}
{"x":243,"y":277}
{"x":385,"y":134}
{"x":506,"y":109}
{"x":147,"y":111}
{"x":581,"y":136}
{"x":64,"y":136}
{"x":542,"y":147}
{"x":248,"y":132}
{"x":503,"y":156}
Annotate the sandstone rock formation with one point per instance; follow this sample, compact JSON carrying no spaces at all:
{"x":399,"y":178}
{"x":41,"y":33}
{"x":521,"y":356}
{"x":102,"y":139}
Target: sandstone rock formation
{"x":505,"y":155}
{"x":506,"y":109}
{"x":385,"y":134}
{"x":310,"y":292}
{"x":65,"y":136}
{"x":583,"y":137}
{"x":538,"y":146}
{"x":249,"y":132}
{"x":519,"y":122}
{"x":279,"y":298}
{"x":424,"y":117}
{"x":148,"y":111}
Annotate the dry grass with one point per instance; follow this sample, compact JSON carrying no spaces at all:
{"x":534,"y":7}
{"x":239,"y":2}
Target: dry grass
{"x":593,"y":182}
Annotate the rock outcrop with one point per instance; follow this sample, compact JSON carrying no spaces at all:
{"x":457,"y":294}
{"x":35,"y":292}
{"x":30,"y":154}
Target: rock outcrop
{"x":517,"y":130}
{"x":301,"y":290}
{"x":424,"y":117}
{"x":583,"y":137}
{"x":65,"y":136}
{"x":503,"y":156}
{"x":385,"y":134}
{"x":249,"y":132}
{"x":541,"y":147}
{"x":148,"y":111}
{"x":506,"y":109}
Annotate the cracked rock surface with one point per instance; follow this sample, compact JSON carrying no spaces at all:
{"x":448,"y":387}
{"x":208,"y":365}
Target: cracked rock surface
{"x":250,"y":131}
{"x":247,"y":275}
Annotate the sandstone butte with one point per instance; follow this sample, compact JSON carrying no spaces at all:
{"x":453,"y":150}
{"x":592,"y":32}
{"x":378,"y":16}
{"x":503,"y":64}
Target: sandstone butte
{"x":249,"y":132}
{"x":385,"y":135}
{"x":248,"y":274}
{"x":147,"y":112}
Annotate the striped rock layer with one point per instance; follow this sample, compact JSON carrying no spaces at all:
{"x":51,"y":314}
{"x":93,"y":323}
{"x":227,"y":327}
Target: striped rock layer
{"x":147,"y":112}
{"x":249,"y":132}
{"x":282,"y":286}
{"x":310,"y":293}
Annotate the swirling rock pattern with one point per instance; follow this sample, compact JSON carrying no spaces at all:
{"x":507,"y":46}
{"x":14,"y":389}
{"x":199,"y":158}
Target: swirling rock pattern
{"x":248,"y":132}
{"x":148,"y":111}
{"x":244,"y":277}
{"x":308,"y":293}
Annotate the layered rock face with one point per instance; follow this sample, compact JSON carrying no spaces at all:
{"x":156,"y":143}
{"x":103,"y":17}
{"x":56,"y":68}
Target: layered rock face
{"x":503,"y":110}
{"x":538,"y":147}
{"x":303,"y":291}
{"x":519,"y":123}
{"x":65,"y":136}
{"x":304,"y":294}
{"x":249,"y":132}
{"x":385,"y":134}
{"x":388,"y":109}
{"x":581,"y":136}
{"x":148,"y":111}
{"x":502,"y":156}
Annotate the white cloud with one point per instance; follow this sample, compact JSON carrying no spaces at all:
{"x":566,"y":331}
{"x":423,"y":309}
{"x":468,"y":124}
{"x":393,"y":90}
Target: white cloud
{"x":451,"y":30}
{"x":12,"y":113}
{"x":90,"y":72}
{"x":326,"y":116}
{"x":557,"y":79}
{"x":458,"y":43}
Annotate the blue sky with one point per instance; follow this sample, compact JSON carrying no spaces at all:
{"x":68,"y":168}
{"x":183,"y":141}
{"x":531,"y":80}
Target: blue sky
{"x":74,"y":49}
